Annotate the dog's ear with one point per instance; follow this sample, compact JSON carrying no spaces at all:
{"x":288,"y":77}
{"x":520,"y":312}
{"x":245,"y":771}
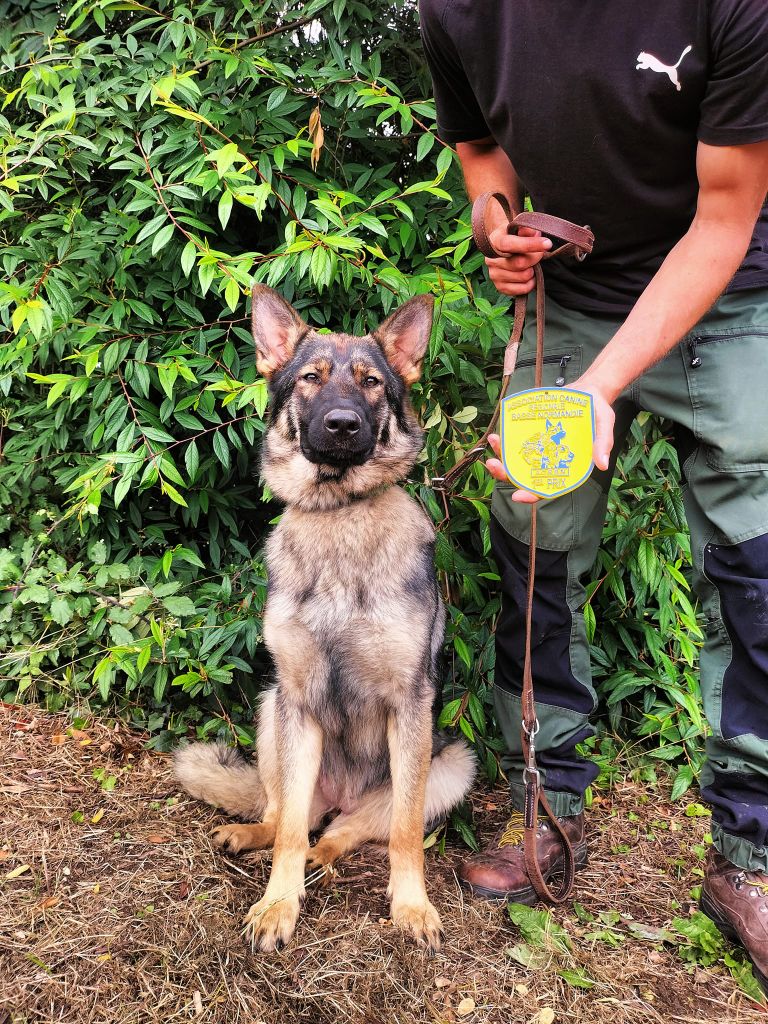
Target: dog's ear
{"x":404,"y":336}
{"x":277,"y":328}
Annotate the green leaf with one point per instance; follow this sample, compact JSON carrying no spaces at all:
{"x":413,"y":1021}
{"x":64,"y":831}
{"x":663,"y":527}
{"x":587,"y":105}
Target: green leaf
{"x":191,"y":460}
{"x":188,"y":257}
{"x":173,"y":494}
{"x":424,"y":145}
{"x":221,"y":449}
{"x":97,"y":552}
{"x":122,"y":487}
{"x":61,"y":610}
{"x":162,"y":238}
{"x":683,"y":781}
{"x":225,"y":207}
{"x":179,"y":606}
{"x":538,"y":928}
{"x":232,"y":294}
{"x":576,"y":978}
{"x":143,"y":658}
{"x":444,"y":160}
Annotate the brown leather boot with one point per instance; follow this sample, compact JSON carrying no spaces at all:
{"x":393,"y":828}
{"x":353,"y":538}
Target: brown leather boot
{"x":498,"y":872}
{"x":737,"y":901}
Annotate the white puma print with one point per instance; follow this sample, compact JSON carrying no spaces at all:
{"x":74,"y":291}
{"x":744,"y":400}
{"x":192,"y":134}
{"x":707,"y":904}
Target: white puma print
{"x":647,"y":62}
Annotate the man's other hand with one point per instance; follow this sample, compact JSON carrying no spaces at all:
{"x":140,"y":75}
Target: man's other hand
{"x":601,"y":449}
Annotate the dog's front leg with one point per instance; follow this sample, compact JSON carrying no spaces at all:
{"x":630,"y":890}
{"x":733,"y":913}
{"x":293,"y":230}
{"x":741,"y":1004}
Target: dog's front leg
{"x":409,"y":733}
{"x":271,"y":922}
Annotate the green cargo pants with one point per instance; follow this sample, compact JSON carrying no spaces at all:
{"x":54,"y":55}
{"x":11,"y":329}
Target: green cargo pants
{"x":714,"y":387}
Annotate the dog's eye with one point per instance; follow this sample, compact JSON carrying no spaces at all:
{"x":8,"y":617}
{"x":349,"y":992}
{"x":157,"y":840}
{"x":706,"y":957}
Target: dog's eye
{"x":371,"y":382}
{"x":311,"y":377}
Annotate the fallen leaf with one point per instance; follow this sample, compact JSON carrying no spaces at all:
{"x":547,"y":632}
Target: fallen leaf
{"x":50,"y":902}
{"x":4,"y":855}
{"x":521,"y":990}
{"x":58,"y":738}
{"x":97,"y":816}
{"x":79,"y":734}
{"x":157,"y":838}
{"x":20,"y":870}
{"x":546,"y":1015}
{"x":442,"y":982}
{"x":465,"y":1006}
{"x":85,"y":742}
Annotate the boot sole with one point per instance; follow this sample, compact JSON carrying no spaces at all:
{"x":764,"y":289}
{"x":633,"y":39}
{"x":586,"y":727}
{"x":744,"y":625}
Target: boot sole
{"x":724,"y":925}
{"x":528,"y":896}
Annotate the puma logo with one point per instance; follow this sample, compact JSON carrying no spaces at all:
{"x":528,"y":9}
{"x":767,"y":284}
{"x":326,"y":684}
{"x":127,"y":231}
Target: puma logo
{"x":647,"y":62}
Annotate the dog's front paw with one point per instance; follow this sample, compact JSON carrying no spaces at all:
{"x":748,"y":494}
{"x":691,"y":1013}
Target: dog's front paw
{"x":421,"y":921}
{"x":269,"y":924}
{"x":237,"y":838}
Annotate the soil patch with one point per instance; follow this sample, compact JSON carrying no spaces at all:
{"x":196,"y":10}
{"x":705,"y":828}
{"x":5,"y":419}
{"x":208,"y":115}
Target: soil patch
{"x":115,"y":907}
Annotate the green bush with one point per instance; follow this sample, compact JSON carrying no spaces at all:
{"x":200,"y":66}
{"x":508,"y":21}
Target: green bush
{"x":156,"y":159}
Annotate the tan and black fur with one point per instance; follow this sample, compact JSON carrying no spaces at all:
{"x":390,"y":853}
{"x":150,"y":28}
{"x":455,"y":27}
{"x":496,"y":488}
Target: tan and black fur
{"x":353,"y":621}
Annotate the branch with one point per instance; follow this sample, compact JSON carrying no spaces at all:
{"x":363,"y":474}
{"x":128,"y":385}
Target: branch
{"x":264,"y":35}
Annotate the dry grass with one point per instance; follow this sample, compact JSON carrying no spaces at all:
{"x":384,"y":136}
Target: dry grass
{"x":127,"y":914}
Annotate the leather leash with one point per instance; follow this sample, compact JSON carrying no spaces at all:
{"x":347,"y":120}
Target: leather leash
{"x":577,"y":242}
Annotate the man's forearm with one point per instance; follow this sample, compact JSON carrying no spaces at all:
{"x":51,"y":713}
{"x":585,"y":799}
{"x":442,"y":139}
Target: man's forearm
{"x":687,"y":284}
{"x":487,"y":168}
{"x":732,"y":188}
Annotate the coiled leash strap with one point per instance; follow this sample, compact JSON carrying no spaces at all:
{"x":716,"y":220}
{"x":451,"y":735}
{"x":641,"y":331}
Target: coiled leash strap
{"x":577,"y":242}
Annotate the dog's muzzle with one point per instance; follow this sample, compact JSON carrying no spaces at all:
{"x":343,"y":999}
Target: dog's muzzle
{"x":338,"y":436}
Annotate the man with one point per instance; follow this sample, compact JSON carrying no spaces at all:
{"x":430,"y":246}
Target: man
{"x":649,"y":122}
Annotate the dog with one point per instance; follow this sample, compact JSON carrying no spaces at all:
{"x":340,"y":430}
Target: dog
{"x":354,"y":624}
{"x":546,"y":450}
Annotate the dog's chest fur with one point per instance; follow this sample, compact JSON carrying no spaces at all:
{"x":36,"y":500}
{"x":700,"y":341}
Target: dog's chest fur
{"x":354,"y":622}
{"x":358,"y":564}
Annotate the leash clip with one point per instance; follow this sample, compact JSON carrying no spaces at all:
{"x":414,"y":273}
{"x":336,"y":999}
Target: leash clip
{"x":531,"y":774}
{"x":530,"y":733}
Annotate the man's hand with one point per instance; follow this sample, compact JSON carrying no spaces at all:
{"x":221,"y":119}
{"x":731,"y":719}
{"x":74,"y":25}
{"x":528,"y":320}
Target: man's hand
{"x":512,"y":274}
{"x":601,"y":449}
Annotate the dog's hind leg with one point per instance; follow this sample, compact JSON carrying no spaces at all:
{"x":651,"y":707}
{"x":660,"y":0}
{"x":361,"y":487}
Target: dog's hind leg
{"x":368,"y":822}
{"x":261,"y":836}
{"x":451,"y":773}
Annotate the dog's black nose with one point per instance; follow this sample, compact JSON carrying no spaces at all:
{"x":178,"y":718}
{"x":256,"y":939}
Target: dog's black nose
{"x":341,"y":422}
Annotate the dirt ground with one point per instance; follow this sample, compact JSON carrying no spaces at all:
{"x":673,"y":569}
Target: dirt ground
{"x":114,"y":907}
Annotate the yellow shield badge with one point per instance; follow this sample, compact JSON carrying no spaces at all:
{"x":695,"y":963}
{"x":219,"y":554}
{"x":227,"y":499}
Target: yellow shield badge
{"x":546,"y":439}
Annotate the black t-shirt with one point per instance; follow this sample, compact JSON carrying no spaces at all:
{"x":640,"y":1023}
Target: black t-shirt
{"x":599,"y":106}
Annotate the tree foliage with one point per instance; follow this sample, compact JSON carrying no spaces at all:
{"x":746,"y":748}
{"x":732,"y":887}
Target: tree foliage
{"x":156,"y":159}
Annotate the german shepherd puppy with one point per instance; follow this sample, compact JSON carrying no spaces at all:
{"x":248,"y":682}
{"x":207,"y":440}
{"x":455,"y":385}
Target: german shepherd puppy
{"x":353,"y":621}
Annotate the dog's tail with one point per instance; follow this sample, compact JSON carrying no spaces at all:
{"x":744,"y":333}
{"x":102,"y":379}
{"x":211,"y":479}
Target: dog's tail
{"x":219,"y":775}
{"x":450,"y":778}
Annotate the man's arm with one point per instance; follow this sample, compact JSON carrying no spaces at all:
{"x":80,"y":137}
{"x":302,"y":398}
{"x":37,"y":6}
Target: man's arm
{"x":733,"y":181}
